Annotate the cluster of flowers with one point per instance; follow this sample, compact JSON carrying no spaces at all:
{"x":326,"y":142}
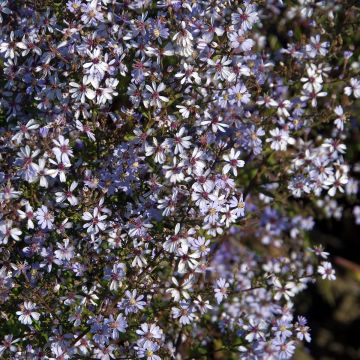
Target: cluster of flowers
{"x":134,"y":134}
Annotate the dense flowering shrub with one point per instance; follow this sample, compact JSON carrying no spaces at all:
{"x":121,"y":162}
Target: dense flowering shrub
{"x":162,"y":164}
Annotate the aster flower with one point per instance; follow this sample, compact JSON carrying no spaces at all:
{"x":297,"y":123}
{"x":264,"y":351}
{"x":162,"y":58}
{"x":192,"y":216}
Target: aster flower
{"x":95,"y":223}
{"x":115,"y":275}
{"x":188,"y":75}
{"x":285,"y":291}
{"x":354,"y":88}
{"x":117,"y":326}
{"x":62,"y":150}
{"x":326,"y":271}
{"x":245,"y":18}
{"x":27,"y":314}
{"x":180,"y":290}
{"x":44,"y":217}
{"x":239,"y":41}
{"x":96,"y":67}
{"x":73,"y":5}
{"x":147,"y":351}
{"x":336,"y":182}
{"x":8,"y":344}
{"x":280,"y":139}
{"x":28,"y":214}
{"x":316,"y":47}
{"x":153,"y":97}
{"x":185,"y":313}
{"x":8,"y":231}
{"x":149,"y":333}
{"x":132,"y":302}
{"x":282,"y":329}
{"x":232,"y":162}
{"x":239,"y":95}
{"x":255,"y":330}
{"x":221,"y":290}
{"x":82,"y":91}
{"x":302,"y":329}
{"x":285,"y":350}
{"x":65,"y":251}
{"x":221,"y":69}
{"x":59,"y":171}
{"x":180,"y":142}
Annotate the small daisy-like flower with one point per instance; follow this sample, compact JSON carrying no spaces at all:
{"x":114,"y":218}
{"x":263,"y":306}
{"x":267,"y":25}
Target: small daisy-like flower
{"x":62,"y":150}
{"x":95,"y":221}
{"x":326,"y":271}
{"x":132,"y":302}
{"x":354,"y":88}
{"x":232,"y":162}
{"x":27,"y":313}
{"x":147,"y":351}
{"x":8,"y":231}
{"x":117,"y":325}
{"x":221,"y":290}
{"x":45,"y":218}
{"x":82,"y":91}
{"x":149,"y":333}
{"x":153,"y":97}
{"x":185,"y":313}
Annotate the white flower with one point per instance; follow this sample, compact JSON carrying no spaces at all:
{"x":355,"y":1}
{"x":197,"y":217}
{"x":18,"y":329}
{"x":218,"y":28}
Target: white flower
{"x":185,"y":313}
{"x":316,"y":47}
{"x":96,"y":67}
{"x":239,"y":41}
{"x":180,"y":290}
{"x":336,"y":182}
{"x":28,"y":214}
{"x":184,"y":40}
{"x":313,"y":79}
{"x":27,"y":313}
{"x":116,"y":275}
{"x":95,"y":223}
{"x":313,"y":94}
{"x":255,"y":330}
{"x":286,"y":291}
{"x":8,"y":344}
{"x":326,"y":271}
{"x":44,"y":217}
{"x":354,"y":88}
{"x":188,"y":75}
{"x":62,"y":150}
{"x":65,"y":251}
{"x":153,"y":97}
{"x":8,"y":231}
{"x":340,"y":120}
{"x":221,"y":290}
{"x":81,"y":91}
{"x":60,"y":170}
{"x":187,"y":259}
{"x":68,"y":195}
{"x":246,"y":16}
{"x":180,"y":141}
{"x":233,"y":162}
{"x":175,"y":172}
{"x":149,"y":333}
{"x":221,"y":68}
{"x":147,"y":350}
{"x":280,"y":139}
